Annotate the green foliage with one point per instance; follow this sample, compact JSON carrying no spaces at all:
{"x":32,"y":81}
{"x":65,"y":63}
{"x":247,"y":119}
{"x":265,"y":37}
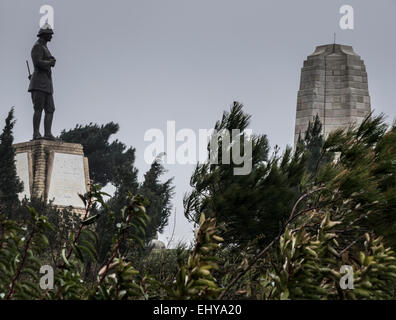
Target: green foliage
{"x":364,"y":176}
{"x":79,"y":249}
{"x":122,"y":283}
{"x":125,"y":282}
{"x":162,"y":264}
{"x":376,"y":272}
{"x":160,"y":195}
{"x":252,"y":206}
{"x":64,"y":220}
{"x":20,"y":247}
{"x":114,"y":163}
{"x":195,"y":280}
{"x":308,"y":267}
{"x":354,"y":195}
{"x":10,"y":185}
{"x":288,"y":226}
{"x":312,"y":145}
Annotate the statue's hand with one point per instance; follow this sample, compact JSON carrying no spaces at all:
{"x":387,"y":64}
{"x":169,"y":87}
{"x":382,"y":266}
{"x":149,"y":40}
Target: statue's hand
{"x":53,"y":61}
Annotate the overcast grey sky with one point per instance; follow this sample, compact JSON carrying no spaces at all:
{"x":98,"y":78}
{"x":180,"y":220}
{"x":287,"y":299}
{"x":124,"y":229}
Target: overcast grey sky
{"x":141,"y":63}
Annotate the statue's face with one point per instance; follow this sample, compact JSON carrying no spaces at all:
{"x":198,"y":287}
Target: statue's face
{"x":47,"y":37}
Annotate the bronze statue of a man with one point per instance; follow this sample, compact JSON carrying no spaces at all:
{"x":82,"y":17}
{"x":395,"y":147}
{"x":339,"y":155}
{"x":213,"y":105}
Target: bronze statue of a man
{"x":41,"y":87}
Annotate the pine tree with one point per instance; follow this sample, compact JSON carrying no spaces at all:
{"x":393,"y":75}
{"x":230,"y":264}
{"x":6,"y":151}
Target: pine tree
{"x":312,"y":144}
{"x":248,"y":207}
{"x":10,"y":185}
{"x":159,"y":195}
{"x":364,"y":175}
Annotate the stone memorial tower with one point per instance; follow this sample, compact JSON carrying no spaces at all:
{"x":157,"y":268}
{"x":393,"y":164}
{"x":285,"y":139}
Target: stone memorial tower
{"x":334,"y":86}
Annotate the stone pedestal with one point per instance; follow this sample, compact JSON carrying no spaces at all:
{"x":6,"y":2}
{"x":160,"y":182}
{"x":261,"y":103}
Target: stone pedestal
{"x":54,"y":171}
{"x":334,"y":86}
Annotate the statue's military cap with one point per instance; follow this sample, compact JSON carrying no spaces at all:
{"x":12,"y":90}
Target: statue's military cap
{"x":45,"y":29}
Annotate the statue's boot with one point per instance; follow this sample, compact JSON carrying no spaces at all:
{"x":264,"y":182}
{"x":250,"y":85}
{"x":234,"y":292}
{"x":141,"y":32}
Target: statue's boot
{"x":36,"y":125}
{"x":47,"y":126}
{"x":37,"y":136}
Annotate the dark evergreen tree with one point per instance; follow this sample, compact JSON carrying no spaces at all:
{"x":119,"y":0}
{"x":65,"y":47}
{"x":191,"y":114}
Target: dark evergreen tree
{"x":10,"y":185}
{"x":364,"y":176}
{"x":159,"y":195}
{"x":248,"y":207}
{"x":312,"y":145}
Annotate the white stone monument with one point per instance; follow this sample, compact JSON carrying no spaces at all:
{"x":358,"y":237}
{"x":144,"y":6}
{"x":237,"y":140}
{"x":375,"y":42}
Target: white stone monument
{"x":333,"y":85}
{"x":53,"y":171}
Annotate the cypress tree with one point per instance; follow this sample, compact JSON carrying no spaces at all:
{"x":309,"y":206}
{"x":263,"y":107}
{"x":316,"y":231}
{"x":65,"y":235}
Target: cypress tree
{"x":10,"y":185}
{"x":159,"y":195}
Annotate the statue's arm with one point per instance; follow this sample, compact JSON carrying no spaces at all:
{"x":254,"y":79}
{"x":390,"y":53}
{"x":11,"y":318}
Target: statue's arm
{"x":37,"y":58}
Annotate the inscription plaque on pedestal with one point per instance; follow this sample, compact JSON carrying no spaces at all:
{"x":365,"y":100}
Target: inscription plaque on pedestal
{"x":22,"y":167}
{"x":67,"y":180}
